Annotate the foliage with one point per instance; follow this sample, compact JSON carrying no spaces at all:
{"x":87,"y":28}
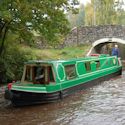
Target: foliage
{"x":89,"y":14}
{"x":46,"y":17}
{"x":77,"y":19}
{"x":12,"y":62}
{"x":120,"y":7}
{"x":103,"y":12}
{"x":19,"y":19}
{"x":99,"y":12}
{"x":81,"y":16}
{"x":106,"y":13}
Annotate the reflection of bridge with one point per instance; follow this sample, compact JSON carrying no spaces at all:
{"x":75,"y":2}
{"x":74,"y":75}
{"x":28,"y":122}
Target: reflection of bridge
{"x":102,"y":38}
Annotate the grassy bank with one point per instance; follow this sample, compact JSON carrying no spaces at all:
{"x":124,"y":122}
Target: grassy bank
{"x":65,"y":53}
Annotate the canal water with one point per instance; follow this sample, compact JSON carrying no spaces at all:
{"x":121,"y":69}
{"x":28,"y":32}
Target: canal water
{"x":103,"y":104}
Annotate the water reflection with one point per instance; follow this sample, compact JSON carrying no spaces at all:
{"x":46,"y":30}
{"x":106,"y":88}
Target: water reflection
{"x":103,"y":104}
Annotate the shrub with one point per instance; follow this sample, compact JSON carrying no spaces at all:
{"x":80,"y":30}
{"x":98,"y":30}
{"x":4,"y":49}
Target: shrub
{"x":11,"y":64}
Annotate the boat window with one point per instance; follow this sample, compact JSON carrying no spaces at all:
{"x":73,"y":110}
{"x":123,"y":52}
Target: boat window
{"x":70,"y":71}
{"x":87,"y":65}
{"x":51,"y":76}
{"x":39,"y":74}
{"x":35,"y":74}
{"x":28,"y":76}
{"x":97,"y":64}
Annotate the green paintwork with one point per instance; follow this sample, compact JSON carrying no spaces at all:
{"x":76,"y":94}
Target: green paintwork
{"x":106,"y":65}
{"x":61,"y":72}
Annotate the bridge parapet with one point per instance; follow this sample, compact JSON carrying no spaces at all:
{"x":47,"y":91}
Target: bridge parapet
{"x":90,"y":34}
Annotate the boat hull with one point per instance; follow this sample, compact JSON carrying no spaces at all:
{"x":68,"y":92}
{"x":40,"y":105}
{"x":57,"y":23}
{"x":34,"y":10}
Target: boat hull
{"x":21,"y":98}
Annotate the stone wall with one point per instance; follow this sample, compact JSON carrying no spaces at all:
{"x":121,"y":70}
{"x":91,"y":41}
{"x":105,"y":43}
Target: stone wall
{"x":87,"y":34}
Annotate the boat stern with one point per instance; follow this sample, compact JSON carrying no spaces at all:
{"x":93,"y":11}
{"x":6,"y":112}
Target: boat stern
{"x":13,"y":88}
{"x":8,"y":94}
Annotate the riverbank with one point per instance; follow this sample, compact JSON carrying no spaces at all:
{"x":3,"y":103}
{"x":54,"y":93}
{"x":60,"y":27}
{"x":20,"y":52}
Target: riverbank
{"x":55,"y":53}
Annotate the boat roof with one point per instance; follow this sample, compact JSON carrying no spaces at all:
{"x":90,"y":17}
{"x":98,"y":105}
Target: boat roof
{"x":64,"y":61}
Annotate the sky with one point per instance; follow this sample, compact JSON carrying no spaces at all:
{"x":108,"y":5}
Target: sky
{"x":85,"y":1}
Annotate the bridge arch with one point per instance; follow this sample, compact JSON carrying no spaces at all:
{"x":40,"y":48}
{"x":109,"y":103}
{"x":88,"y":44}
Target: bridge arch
{"x":104,"y":46}
{"x":99,"y":37}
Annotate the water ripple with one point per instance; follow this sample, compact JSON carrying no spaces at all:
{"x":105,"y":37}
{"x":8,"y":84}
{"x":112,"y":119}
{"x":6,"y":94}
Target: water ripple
{"x":103,"y":104}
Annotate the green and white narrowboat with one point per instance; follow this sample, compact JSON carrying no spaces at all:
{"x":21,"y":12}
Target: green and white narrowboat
{"x":47,"y":81}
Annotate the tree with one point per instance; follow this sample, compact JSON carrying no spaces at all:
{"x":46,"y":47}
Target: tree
{"x":89,"y":14}
{"x":81,"y":16}
{"x":77,"y":19}
{"x":46,"y":17}
{"x":103,"y":12}
{"x":72,"y":19}
{"x":120,"y":4}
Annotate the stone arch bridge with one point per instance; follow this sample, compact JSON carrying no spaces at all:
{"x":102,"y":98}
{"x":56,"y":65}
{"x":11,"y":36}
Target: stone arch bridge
{"x":102,"y":38}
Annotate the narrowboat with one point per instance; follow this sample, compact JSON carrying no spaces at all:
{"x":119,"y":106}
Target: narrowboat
{"x":47,"y":81}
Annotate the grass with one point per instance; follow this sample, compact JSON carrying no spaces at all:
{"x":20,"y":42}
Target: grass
{"x":65,"y":53}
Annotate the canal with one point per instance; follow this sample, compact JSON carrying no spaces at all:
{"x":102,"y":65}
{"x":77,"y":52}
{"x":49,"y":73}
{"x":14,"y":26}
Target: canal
{"x":103,"y":104}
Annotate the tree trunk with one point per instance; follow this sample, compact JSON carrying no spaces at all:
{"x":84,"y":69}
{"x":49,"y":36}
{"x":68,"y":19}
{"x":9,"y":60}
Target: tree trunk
{"x":3,"y":32}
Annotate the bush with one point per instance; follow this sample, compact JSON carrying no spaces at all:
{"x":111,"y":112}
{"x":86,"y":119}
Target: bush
{"x":11,"y":64}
